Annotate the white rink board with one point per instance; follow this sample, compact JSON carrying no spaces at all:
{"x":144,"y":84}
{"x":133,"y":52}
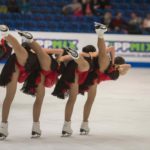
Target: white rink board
{"x":133,"y":48}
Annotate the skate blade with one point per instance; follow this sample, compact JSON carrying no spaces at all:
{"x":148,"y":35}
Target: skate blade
{"x":3,"y":28}
{"x":2,"y":137}
{"x":24,"y":34}
{"x":66,"y":134}
{"x":73,"y":53}
{"x":19,"y":32}
{"x":97,"y":23}
{"x":100,"y":26}
{"x":35,"y":135}
{"x":84,"y":132}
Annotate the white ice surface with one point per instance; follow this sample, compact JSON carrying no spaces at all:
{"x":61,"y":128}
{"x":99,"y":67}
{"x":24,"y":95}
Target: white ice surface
{"x":120,"y":118}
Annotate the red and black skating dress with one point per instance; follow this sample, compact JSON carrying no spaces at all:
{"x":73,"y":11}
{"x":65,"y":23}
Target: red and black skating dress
{"x":96,"y":76}
{"x":91,"y":77}
{"x":111,"y":73}
{"x":30,"y":74}
{"x":69,"y":71}
{"x":31,"y":83}
{"x":31,"y":65}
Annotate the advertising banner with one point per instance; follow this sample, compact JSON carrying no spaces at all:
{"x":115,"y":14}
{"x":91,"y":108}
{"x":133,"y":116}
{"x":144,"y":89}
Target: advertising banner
{"x":134,"y":48}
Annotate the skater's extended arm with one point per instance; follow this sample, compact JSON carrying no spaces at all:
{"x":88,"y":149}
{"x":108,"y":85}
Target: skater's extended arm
{"x":65,"y":58}
{"x":123,"y":69}
{"x":53,"y":51}
{"x":90,"y":54}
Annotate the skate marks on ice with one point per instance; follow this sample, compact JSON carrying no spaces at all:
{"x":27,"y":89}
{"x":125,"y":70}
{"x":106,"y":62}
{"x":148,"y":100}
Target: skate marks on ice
{"x":120,"y":119}
{"x":77,"y":142}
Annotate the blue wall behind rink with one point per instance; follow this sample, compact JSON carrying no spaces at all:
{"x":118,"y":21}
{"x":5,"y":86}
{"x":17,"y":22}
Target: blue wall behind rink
{"x":139,"y":65}
{"x":134,"y":48}
{"x":2,"y":62}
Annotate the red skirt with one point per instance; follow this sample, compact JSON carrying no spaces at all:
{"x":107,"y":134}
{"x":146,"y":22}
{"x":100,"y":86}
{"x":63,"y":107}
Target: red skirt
{"x":82,"y":76}
{"x":102,"y":77}
{"x":50,"y":78}
{"x":23,"y":74}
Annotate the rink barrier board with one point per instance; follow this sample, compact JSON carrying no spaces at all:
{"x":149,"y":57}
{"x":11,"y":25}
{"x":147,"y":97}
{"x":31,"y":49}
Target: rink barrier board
{"x":134,"y":48}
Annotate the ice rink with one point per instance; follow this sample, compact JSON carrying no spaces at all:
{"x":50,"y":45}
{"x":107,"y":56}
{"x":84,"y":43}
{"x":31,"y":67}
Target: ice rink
{"x":120,"y":118}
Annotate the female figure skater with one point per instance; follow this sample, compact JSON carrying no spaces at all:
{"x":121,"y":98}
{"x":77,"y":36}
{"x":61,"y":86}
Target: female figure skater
{"x":37,"y":81}
{"x":105,"y":69}
{"x":49,"y":71}
{"x":73,"y":75}
{"x":16,"y":69}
